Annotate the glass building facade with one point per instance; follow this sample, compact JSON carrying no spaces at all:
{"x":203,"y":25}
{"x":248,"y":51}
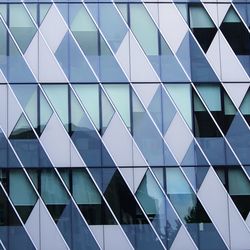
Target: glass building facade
{"x":125,"y":125}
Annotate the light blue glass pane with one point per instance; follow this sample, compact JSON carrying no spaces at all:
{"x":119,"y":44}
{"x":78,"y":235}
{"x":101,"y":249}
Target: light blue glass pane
{"x":84,"y":190}
{"x":58,"y":96}
{"x":86,"y":139}
{"x":181,"y":95}
{"x":231,"y":17}
{"x":199,"y":18}
{"x":3,"y":49}
{"x":228,"y":105}
{"x":238,"y":182}
{"x":107,"y":112}
{"x":211,"y":95}
{"x":110,"y":70}
{"x":27,"y":97}
{"x":120,"y":96}
{"x":176,"y":182}
{"x":20,"y":189}
{"x":75,"y":230}
{"x":89,"y":96}
{"x":110,"y":23}
{"x":148,"y":138}
{"x":238,"y":136}
{"x":83,"y":29}
{"x":44,"y":8}
{"x":33,"y":9}
{"x":73,"y":62}
{"x":183,"y":8}
{"x":45,"y":111}
{"x":144,"y":29}
{"x":52,"y":190}
{"x":3,"y":11}
{"x":21,"y":25}
{"x":123,"y":8}
{"x":18,"y":70}
{"x":156,"y":110}
{"x":158,"y":209}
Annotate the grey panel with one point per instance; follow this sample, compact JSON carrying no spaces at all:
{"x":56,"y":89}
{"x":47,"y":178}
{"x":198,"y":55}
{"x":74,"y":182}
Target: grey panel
{"x":215,"y":199}
{"x":119,"y":142}
{"x":56,"y":142}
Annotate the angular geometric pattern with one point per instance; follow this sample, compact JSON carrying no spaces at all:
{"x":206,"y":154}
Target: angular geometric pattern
{"x":124,"y":125}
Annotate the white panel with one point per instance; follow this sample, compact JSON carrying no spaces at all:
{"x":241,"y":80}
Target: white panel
{"x":51,"y":238}
{"x":213,"y":55}
{"x":222,"y":11}
{"x":98,"y":232}
{"x":76,"y":160}
{"x":128,"y":175}
{"x":183,"y":241}
{"x":153,"y":11}
{"x":212,"y":11}
{"x":53,"y":28}
{"x":49,"y":69}
{"x":56,"y":142}
{"x":239,"y":233}
{"x":33,"y":225}
{"x":248,"y":220}
{"x":122,"y":54}
{"x":138,"y":159}
{"x":118,"y":141}
{"x":14,"y":111}
{"x":3,"y":108}
{"x":146,"y":92}
{"x":138,"y":176}
{"x":31,"y":55}
{"x":237,"y":91}
{"x":2,"y":77}
{"x":232,"y":70}
{"x":215,"y":199}
{"x":176,"y":29}
{"x":178,"y":137}
{"x":141,"y":69}
{"x":115,"y":239}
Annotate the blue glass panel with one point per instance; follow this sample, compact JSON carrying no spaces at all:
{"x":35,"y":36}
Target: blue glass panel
{"x":75,"y":230}
{"x":86,"y":139}
{"x":238,"y":136}
{"x":73,"y":62}
{"x":148,"y":138}
{"x":196,"y":175}
{"x":194,"y":62}
{"x":110,"y":23}
{"x":102,"y":176}
{"x":31,"y":153}
{"x":158,"y":209}
{"x":194,"y":156}
{"x":7,"y":156}
{"x":18,"y":70}
{"x":192,"y":212}
{"x":162,"y":110}
{"x":217,"y":151}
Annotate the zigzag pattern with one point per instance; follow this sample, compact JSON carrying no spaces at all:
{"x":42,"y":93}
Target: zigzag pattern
{"x":124,"y":125}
